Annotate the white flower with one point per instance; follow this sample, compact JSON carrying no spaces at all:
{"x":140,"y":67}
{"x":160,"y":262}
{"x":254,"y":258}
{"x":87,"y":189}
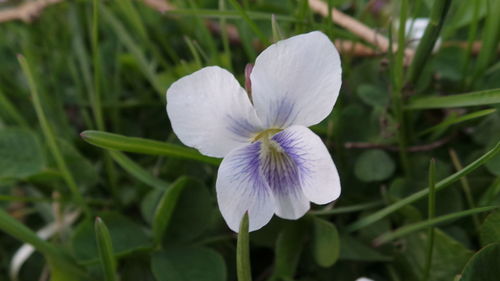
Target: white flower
{"x":415,"y":29}
{"x":364,"y":279}
{"x":273,"y":164}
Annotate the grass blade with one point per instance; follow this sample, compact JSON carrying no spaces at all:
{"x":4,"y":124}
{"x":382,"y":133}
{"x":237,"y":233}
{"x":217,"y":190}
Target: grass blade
{"x":10,"y":111}
{"x":455,"y":120}
{"x":408,"y":229}
{"x":137,"y":171}
{"x":431,"y":34}
{"x":250,"y":22}
{"x":147,"y":69}
{"x":60,"y":264}
{"x":95,"y":97}
{"x":243,"y":252}
{"x":165,"y":209}
{"x":144,"y":146}
{"x":51,"y":138}
{"x":432,"y":212}
{"x":105,"y":249}
{"x":487,"y":97}
{"x":370,"y":219}
{"x":490,"y":38}
{"x":347,"y":209}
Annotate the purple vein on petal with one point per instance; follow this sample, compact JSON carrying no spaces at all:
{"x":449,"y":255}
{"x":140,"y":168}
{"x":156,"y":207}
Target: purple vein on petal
{"x":248,"y":165}
{"x":241,"y":127}
{"x":281,"y":113}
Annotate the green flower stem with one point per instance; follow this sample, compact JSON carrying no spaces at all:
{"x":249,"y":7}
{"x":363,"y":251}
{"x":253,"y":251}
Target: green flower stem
{"x":243,"y":252}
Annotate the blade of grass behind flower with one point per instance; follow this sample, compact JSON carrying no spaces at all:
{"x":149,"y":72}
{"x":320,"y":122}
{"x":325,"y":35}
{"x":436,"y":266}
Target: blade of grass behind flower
{"x":431,"y":35}
{"x":145,"y":66}
{"x":60,"y":264}
{"x":431,"y":209}
{"x":487,"y":97}
{"x":50,"y":137}
{"x":489,"y":39}
{"x":137,"y":171}
{"x":105,"y":249}
{"x":376,"y":216}
{"x":227,"y":63}
{"x":10,"y":111}
{"x":409,"y":229}
{"x":456,"y":120}
{"x":250,"y":22}
{"x":144,"y":146}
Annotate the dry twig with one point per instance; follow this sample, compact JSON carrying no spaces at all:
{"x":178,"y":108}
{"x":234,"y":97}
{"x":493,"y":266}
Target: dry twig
{"x":360,"y":29}
{"x":26,"y":12}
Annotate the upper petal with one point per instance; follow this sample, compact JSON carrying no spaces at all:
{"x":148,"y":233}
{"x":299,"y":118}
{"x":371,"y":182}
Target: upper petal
{"x":296,"y":81}
{"x":242,"y":188}
{"x":210,"y":111}
{"x":319,"y":179}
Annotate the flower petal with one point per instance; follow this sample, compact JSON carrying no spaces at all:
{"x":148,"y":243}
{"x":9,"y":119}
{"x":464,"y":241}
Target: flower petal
{"x":296,"y":81}
{"x":319,"y":179}
{"x":210,"y":111}
{"x":281,"y":169}
{"x":241,"y":188}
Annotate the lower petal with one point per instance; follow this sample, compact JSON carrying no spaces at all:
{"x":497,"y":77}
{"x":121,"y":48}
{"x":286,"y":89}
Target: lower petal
{"x":319,"y":179}
{"x":241,"y":188}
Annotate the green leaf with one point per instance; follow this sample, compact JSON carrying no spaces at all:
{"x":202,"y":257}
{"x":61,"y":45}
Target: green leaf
{"x":365,"y":221}
{"x":166,"y":208}
{"x":487,"y":97}
{"x":354,"y":250}
{"x":373,"y":96}
{"x":288,"y":250}
{"x":243,"y":268}
{"x":490,"y":229}
{"x":105,"y":248}
{"x":144,"y":146}
{"x":192,"y":215}
{"x":448,"y":258}
{"x":20,"y":154}
{"x":483,"y":265}
{"x":326,"y":243}
{"x":188,"y":264}
{"x":407,"y":229}
{"x":126,"y":236}
{"x":374,"y":165}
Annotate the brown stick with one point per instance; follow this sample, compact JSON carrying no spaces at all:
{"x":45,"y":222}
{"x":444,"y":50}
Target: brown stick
{"x":160,"y":5}
{"x":415,"y":148}
{"x":26,"y":12}
{"x":360,"y":29}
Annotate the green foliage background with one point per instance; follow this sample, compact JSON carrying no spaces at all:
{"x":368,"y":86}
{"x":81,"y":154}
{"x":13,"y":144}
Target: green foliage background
{"x":84,"y":135}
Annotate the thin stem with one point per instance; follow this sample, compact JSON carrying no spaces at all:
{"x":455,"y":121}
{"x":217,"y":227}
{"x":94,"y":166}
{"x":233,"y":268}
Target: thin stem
{"x":397,"y":90}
